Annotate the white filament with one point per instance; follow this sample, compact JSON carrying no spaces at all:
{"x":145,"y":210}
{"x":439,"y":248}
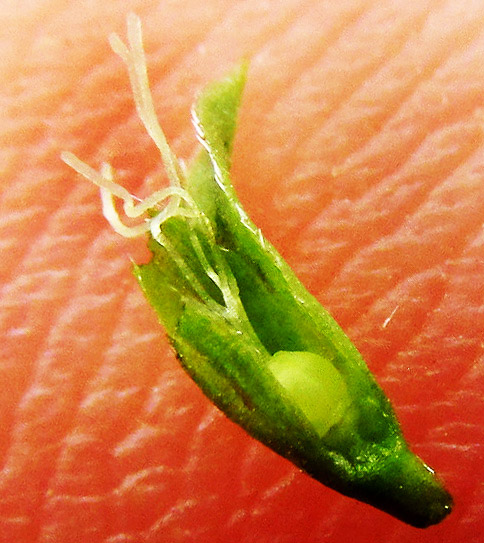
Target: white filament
{"x":135,"y":61}
{"x":179,"y":201}
{"x":134,"y":58}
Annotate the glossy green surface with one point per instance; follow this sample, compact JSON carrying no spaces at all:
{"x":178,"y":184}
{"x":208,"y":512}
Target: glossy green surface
{"x":229,"y":303}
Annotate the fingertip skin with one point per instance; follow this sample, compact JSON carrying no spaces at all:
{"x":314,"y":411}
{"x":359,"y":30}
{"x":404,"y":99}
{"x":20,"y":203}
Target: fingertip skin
{"x":359,"y":154}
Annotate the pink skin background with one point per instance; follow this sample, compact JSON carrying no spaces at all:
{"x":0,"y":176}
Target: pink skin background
{"x":360,"y":154}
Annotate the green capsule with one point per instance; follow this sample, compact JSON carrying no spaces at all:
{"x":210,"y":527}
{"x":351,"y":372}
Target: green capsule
{"x":247,"y":331}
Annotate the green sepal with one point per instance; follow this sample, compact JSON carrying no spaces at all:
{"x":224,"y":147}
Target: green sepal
{"x":227,"y":353}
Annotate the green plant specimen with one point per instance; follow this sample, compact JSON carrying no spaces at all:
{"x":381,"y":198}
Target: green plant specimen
{"x":244,"y":327}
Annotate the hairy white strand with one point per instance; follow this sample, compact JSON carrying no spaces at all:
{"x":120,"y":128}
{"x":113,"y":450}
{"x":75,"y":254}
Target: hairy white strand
{"x":135,"y":210}
{"x":117,"y":45}
{"x":134,"y":58}
{"x":177,"y":201}
{"x":111,"y":214}
{"x":95,"y":177}
{"x":187,"y":272}
{"x":165,"y":214}
{"x":135,"y":61}
{"x":203,"y":259}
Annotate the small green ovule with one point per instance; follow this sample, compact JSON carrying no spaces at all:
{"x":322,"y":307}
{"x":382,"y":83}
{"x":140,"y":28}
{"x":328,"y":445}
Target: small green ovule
{"x":314,"y":385}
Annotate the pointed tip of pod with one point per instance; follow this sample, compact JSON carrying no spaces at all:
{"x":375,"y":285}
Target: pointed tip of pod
{"x":404,"y":486}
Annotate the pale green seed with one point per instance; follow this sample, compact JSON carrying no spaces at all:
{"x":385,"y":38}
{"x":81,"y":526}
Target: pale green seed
{"x":314,"y":385}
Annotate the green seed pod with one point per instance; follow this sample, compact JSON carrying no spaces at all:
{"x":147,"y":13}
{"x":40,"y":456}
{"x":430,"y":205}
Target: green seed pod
{"x":245,"y":328}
